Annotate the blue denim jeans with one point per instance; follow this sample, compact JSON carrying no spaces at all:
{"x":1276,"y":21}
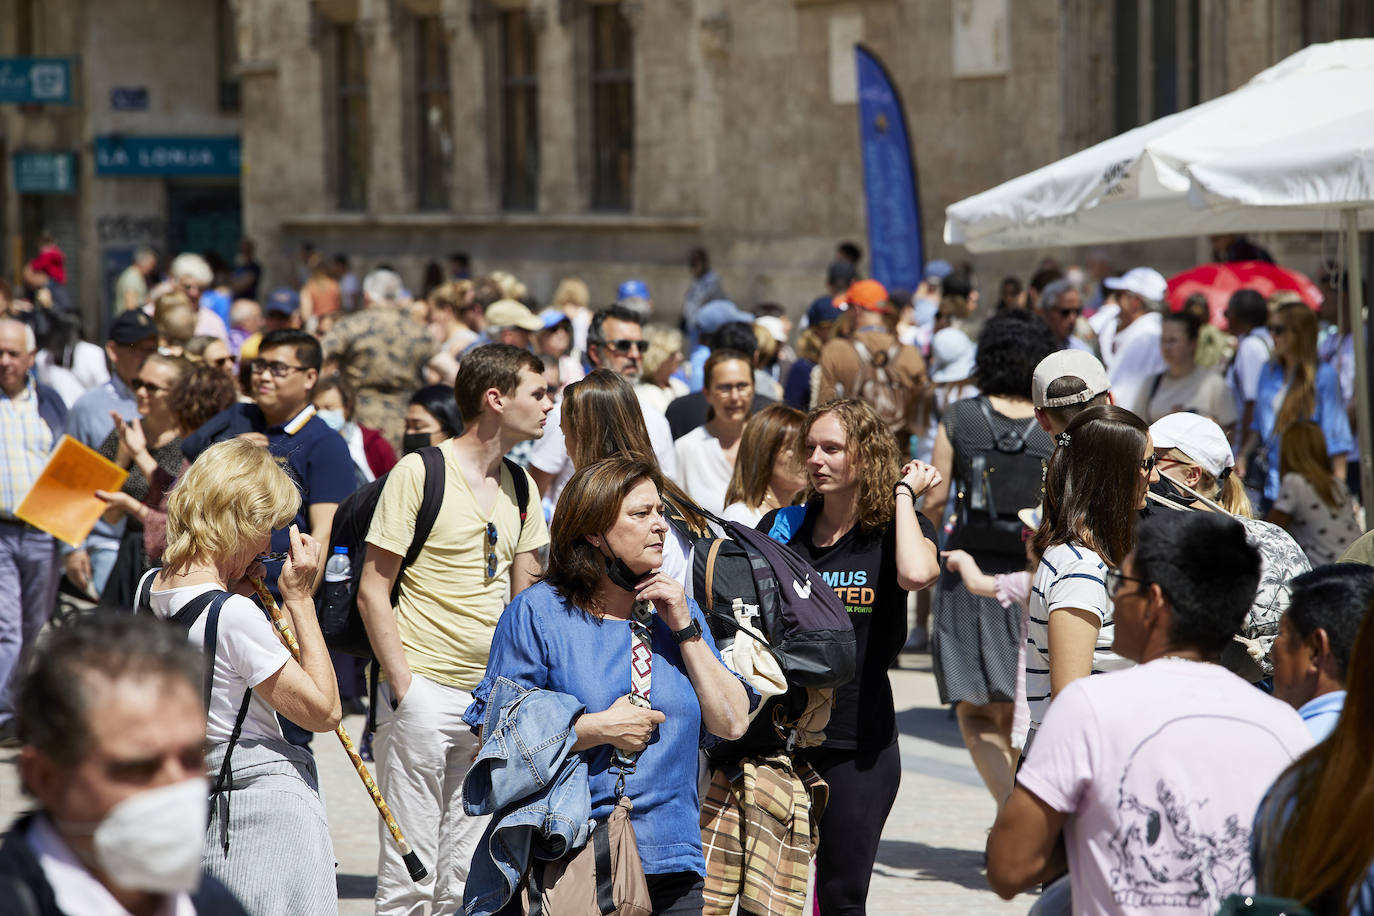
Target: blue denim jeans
{"x":28,"y":591}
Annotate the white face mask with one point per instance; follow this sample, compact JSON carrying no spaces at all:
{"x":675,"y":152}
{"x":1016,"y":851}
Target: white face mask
{"x":154,"y":841}
{"x":335,"y":418}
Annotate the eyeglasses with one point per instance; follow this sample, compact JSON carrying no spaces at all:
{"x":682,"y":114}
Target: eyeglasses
{"x":278,"y":369}
{"x":138,"y":383}
{"x":1148,"y":464}
{"x":491,"y":550}
{"x":625,"y":346}
{"x":1277,"y":330}
{"x":1068,"y":313}
{"x":1116,"y":578}
{"x":736,"y":388}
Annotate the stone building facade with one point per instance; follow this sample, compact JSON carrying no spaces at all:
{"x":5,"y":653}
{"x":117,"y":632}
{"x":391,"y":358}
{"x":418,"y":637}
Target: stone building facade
{"x":604,"y":138}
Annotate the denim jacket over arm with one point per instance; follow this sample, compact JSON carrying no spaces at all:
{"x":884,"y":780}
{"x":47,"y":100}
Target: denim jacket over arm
{"x":528,"y":778}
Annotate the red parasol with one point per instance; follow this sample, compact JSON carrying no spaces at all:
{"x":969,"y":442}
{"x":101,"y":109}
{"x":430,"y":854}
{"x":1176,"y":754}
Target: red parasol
{"x":1218,"y":281}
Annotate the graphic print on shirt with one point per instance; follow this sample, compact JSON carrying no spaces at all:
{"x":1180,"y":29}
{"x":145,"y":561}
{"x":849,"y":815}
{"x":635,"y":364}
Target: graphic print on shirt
{"x":1171,"y":849}
{"x":853,"y":588}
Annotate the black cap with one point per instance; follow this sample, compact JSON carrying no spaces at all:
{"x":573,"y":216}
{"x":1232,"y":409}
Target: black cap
{"x":956,"y":284}
{"x":131,"y":327}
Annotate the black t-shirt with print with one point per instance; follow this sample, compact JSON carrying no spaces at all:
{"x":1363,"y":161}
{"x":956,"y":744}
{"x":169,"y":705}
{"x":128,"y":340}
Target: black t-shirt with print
{"x":862,"y":568}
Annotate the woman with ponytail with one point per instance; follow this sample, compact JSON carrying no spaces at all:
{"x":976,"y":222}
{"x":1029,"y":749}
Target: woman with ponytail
{"x":1196,"y":471}
{"x":1294,"y":387}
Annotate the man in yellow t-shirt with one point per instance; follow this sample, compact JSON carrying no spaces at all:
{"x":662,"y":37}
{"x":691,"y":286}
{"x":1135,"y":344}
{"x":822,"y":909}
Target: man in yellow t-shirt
{"x":433,"y":645}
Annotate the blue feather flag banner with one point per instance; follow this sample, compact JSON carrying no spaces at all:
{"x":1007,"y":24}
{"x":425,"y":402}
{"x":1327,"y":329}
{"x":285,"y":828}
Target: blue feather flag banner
{"x":890,"y":189}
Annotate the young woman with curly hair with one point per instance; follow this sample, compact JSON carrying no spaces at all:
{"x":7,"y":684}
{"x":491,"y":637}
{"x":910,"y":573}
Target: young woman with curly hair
{"x":976,"y":641}
{"x":859,"y":528}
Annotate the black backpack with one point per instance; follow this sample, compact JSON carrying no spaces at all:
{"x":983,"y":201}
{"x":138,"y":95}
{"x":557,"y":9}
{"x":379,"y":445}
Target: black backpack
{"x":1001,"y":481}
{"x":336,"y":604}
{"x":807,"y":628}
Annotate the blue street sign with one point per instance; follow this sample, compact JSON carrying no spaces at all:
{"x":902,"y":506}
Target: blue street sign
{"x":45,"y":173}
{"x":121,"y":154}
{"x":129,"y":98}
{"x":36,"y":80}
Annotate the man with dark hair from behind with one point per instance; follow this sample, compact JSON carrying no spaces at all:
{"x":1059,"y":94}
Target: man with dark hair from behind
{"x":1247,"y":317}
{"x":113,"y":725}
{"x":1151,"y":775}
{"x":1316,"y":635}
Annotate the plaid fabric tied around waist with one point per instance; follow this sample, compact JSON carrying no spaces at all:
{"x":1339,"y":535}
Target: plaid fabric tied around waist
{"x":759,"y":830}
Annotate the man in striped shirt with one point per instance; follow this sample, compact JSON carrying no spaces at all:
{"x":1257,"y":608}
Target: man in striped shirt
{"x":31,"y":421}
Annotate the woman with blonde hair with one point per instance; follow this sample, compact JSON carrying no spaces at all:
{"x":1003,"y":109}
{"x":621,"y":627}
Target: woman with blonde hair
{"x":573,"y":299}
{"x":860,"y":529}
{"x":768,"y":473}
{"x":660,"y":382}
{"x":1293,"y":387}
{"x":1313,"y":505}
{"x":268,"y":834}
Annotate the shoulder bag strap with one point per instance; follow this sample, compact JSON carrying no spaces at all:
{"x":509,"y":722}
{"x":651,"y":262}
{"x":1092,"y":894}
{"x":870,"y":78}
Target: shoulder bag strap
{"x":225,"y":780}
{"x":711,"y":555}
{"x":1154,"y":388}
{"x":522,"y":488}
{"x":430,"y":501}
{"x":605,"y":878}
{"x":143,"y":604}
{"x":641,"y":674}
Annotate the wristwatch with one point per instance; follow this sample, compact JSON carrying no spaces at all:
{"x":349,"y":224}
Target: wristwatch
{"x":692,"y":629}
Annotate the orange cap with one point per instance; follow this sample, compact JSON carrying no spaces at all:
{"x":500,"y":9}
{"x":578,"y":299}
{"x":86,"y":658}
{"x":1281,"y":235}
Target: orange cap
{"x":870,"y":295}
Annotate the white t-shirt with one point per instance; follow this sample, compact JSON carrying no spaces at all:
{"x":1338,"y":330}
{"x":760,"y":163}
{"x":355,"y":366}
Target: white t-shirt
{"x":1201,"y":391}
{"x":702,"y":469}
{"x":1069,"y":576}
{"x":550,"y":452}
{"x":1160,"y":770}
{"x":247,"y":652}
{"x":1242,"y":376}
{"x":739,"y":512}
{"x":1323,"y":532}
{"x":1132,"y":356}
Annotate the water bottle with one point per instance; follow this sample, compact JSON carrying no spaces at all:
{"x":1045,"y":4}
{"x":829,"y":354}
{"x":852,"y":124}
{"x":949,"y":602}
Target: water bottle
{"x":338,"y":569}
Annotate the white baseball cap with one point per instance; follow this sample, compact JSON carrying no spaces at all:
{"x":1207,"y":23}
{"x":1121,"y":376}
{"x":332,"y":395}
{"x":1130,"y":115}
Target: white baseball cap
{"x":1197,"y":437}
{"x":1069,"y":364}
{"x":1145,"y":282}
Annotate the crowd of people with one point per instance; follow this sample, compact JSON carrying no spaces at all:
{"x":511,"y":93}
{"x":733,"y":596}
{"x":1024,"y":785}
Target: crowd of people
{"x":1091,"y":502}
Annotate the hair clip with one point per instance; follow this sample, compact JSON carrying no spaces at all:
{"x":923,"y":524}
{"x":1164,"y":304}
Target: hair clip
{"x":1064,"y":439}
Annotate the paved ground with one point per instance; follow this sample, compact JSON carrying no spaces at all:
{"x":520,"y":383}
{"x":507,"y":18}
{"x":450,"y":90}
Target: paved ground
{"x":930,"y":860}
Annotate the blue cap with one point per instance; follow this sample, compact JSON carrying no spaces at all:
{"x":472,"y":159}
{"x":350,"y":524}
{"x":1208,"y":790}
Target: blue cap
{"x":822,"y":308}
{"x":283,"y":299}
{"x":719,"y":312}
{"x":633,"y":289}
{"x":939,"y":269}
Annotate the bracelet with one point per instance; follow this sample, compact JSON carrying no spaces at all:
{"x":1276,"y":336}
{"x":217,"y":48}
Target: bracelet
{"x":903,"y":485}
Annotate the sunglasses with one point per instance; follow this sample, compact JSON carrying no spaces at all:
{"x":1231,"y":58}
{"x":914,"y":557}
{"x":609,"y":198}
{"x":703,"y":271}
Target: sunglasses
{"x":222,"y":362}
{"x":278,"y":369}
{"x":625,"y":346}
{"x":1116,"y":578}
{"x":139,"y":383}
{"x":1066,"y":313}
{"x":1277,"y":330}
{"x":275,"y":557}
{"x":1148,"y":464}
{"x":491,"y":550}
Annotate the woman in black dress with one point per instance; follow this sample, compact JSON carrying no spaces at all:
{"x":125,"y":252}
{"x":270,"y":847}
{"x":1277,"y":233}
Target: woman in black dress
{"x":989,"y":452}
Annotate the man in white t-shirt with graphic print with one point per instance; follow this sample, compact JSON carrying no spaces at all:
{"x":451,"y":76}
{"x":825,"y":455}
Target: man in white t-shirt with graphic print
{"x":1151,"y":776}
{"x":433,"y":646}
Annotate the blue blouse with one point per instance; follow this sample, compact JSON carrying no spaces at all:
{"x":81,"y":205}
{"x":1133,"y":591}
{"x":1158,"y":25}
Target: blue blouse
{"x":1330,"y":416}
{"x":544,"y":642}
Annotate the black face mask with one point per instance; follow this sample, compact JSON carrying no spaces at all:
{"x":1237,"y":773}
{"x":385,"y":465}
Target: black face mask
{"x":1166,"y":488}
{"x":413,"y":442}
{"x":620,"y":574}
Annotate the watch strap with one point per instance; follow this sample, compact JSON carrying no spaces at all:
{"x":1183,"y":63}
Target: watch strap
{"x":687,"y":632}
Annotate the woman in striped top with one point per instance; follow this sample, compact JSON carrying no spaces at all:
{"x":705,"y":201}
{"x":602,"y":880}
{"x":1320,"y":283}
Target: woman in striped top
{"x":1095,"y":485}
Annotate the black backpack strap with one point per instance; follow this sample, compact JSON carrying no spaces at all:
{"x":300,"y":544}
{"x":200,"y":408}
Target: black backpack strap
{"x":605,"y":879}
{"x":143,"y":603}
{"x":1154,"y":389}
{"x":521,"y":482}
{"x":430,"y":501}
{"x":225,"y":780}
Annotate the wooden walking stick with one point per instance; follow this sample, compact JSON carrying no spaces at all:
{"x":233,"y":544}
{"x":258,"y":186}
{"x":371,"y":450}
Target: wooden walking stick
{"x":412,"y":861}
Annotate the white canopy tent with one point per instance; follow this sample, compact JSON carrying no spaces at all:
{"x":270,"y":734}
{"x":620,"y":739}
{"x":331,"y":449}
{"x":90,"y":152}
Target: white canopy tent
{"x":1291,"y":150}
